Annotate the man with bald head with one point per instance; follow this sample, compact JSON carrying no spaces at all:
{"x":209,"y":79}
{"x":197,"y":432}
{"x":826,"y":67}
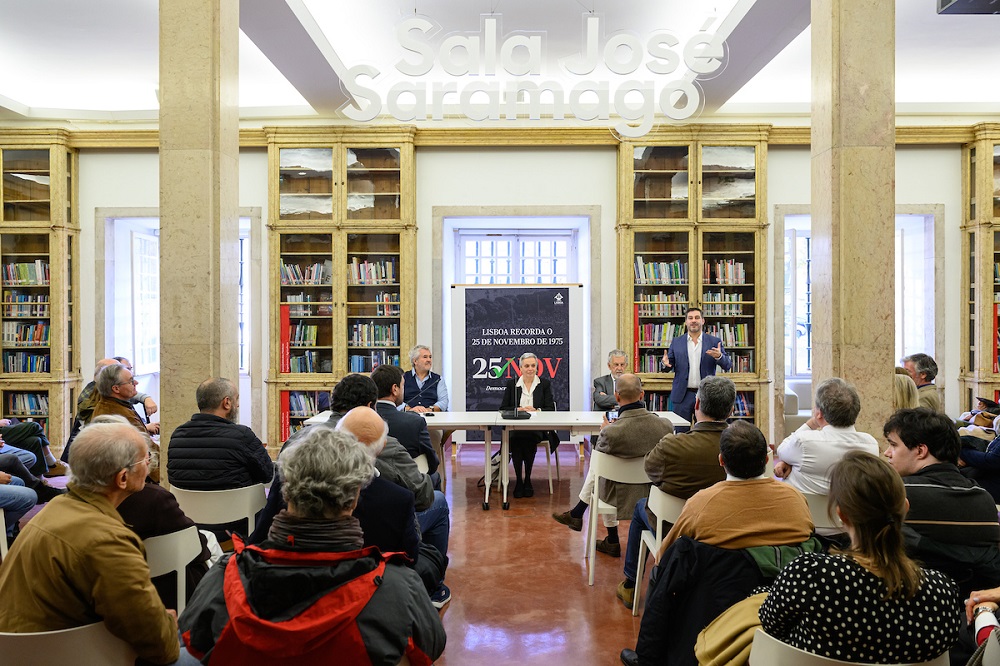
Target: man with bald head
{"x":634,"y":434}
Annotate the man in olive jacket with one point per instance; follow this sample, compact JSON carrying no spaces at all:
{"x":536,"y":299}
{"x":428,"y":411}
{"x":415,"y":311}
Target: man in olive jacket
{"x":77,"y":563}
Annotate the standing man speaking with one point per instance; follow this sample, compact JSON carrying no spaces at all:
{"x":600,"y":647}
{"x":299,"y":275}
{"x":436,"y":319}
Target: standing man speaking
{"x":692,"y":357}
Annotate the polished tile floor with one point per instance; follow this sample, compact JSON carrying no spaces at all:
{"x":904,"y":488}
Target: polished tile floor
{"x":519,"y":579}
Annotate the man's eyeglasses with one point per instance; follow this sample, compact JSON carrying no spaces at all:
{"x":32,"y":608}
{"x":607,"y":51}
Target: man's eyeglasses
{"x":150,"y":459}
{"x":132,"y":381}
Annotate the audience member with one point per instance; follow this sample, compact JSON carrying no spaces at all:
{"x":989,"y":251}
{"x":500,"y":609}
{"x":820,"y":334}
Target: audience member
{"x":605,"y":386}
{"x":311,"y":590}
{"x":27,"y":440}
{"x":115,"y":389}
{"x":952,"y":522}
{"x":408,"y":428}
{"x":878,"y":603}
{"x":528,"y":393}
{"x":212,"y":451}
{"x":983,"y":467}
{"x":989,"y":409}
{"x":922,"y":370}
{"x":805,"y":457}
{"x":632,"y":435}
{"x":386,"y":511}
{"x":691,"y":358}
{"x":76,"y":562}
{"x":16,"y":500}
{"x":904,"y":392}
{"x":681,"y":464}
{"x":12,"y":465}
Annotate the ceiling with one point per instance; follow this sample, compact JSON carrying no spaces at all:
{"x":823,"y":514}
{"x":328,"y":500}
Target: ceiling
{"x":97,"y":61}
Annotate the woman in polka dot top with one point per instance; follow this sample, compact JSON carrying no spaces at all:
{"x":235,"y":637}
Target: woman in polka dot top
{"x":870,"y":603}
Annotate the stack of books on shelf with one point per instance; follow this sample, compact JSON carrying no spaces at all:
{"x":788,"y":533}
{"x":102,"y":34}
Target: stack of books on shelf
{"x":25,"y":362}
{"x":302,"y":405}
{"x":732,"y":335}
{"x":724,"y":272}
{"x":658,"y":335}
{"x":307,"y":362}
{"x":742,"y":362}
{"x":313,"y":274}
{"x":27,"y":404}
{"x":304,"y":335}
{"x":662,"y":304}
{"x":658,"y":402}
{"x":662,"y":272}
{"x":324,"y":304}
{"x":34,"y":273}
{"x":16,"y":334}
{"x":388,"y":310}
{"x":649,"y":363}
{"x":374,"y":335}
{"x":371,"y":272}
{"x":368,"y":362}
{"x":25,"y":305}
{"x":744,"y":404}
{"x":734,"y":303}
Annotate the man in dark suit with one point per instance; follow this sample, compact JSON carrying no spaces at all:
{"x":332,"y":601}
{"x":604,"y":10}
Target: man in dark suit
{"x":604,"y":386}
{"x":408,"y":427}
{"x":692,"y":357}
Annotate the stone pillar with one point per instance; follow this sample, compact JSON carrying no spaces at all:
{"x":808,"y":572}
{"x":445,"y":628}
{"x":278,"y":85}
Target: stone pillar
{"x":199,"y":207}
{"x":853,"y":199}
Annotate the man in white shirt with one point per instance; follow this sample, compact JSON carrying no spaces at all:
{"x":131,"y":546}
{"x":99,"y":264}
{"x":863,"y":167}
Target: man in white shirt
{"x":805,"y":457}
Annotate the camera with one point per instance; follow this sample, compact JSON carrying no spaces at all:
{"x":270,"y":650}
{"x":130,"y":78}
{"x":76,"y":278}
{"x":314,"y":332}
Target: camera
{"x":611,"y":415}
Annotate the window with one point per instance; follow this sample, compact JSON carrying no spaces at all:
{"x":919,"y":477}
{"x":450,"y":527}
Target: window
{"x":519,"y":257}
{"x":798,"y":297}
{"x":146,"y":302}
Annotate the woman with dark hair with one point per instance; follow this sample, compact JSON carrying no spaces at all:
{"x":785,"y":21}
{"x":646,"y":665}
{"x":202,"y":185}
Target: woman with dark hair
{"x":528,"y":393}
{"x":870,"y":603}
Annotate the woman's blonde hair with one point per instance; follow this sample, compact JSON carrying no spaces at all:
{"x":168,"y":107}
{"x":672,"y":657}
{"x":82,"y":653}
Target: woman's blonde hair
{"x":904,"y":393}
{"x":872,"y":498}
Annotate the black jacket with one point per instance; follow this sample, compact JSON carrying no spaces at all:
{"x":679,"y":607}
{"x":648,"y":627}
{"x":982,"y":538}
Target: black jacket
{"x":212,"y":453}
{"x":690,"y":587}
{"x":541,"y":397}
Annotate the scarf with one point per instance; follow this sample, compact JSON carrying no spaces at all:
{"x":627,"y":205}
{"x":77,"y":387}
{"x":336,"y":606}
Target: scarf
{"x":329,"y":535}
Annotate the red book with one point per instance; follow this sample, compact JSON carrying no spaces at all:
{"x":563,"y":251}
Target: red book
{"x":283,"y":347}
{"x":283,"y":414}
{"x":635,"y":340}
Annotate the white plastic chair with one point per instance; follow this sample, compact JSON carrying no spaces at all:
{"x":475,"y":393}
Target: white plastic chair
{"x":3,"y":541}
{"x":769,"y":651}
{"x":821,"y":519}
{"x":421,"y":461}
{"x":666,"y":508}
{"x":173,"y":552}
{"x":89,"y":644}
{"x":621,"y":470}
{"x":215,"y":507}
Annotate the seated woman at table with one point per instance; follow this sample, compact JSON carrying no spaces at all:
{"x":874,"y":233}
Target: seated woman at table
{"x":529,"y":393}
{"x":870,"y":603}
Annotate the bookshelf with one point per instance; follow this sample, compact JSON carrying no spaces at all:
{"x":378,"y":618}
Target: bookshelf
{"x":39,"y":242}
{"x":344,"y":234}
{"x":692,"y":233}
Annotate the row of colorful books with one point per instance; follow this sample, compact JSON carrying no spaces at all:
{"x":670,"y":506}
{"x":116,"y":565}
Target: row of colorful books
{"x":25,"y":362}
{"x":25,"y":305}
{"x":317,"y":273}
{"x":732,"y":335}
{"x":372,"y":272}
{"x":27,"y":404}
{"x":724,"y":272}
{"x":660,"y":272}
{"x":17,"y":334}
{"x":371,"y":335}
{"x":33,"y":273}
{"x":370,"y":361}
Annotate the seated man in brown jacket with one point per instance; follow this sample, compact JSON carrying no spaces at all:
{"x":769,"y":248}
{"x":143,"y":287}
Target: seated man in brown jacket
{"x":115,"y":389}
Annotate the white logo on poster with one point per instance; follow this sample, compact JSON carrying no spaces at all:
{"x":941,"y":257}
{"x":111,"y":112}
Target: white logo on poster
{"x":558,"y":300}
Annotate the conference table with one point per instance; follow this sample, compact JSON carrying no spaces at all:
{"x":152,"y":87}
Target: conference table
{"x":577,"y":423}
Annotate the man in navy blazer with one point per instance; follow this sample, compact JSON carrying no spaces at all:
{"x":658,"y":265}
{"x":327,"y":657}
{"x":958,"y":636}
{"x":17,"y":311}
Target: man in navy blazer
{"x":692,"y":357}
{"x":408,"y":427}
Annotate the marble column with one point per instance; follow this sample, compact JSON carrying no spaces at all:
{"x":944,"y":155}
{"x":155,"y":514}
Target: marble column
{"x":199,"y":208}
{"x":853,"y":200}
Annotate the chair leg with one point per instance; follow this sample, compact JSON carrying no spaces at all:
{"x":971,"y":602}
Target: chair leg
{"x":556,"y":454}
{"x":548,"y":466}
{"x":592,"y":538}
{"x":639,"y":570}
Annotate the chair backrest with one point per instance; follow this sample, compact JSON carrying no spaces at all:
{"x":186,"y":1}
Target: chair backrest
{"x":3,"y":541}
{"x":89,"y":644}
{"x":820,"y":517}
{"x":769,"y":651}
{"x":991,"y":657}
{"x":622,"y":470}
{"x":173,"y":552}
{"x":421,"y":461}
{"x":216,"y":507}
{"x":665,"y":507}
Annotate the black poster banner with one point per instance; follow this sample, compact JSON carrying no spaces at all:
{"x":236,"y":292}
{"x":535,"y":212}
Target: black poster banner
{"x":503,"y":322}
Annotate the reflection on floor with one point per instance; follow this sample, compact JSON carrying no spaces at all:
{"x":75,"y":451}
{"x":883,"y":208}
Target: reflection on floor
{"x":519,"y":579}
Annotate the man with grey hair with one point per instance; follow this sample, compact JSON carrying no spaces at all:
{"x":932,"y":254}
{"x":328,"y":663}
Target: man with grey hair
{"x":923,"y":370}
{"x":115,"y":390}
{"x":806,"y":456}
{"x":605,"y":385}
{"x":77,"y":561}
{"x":212,"y":451}
{"x":423,"y":390}
{"x":681,"y":464}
